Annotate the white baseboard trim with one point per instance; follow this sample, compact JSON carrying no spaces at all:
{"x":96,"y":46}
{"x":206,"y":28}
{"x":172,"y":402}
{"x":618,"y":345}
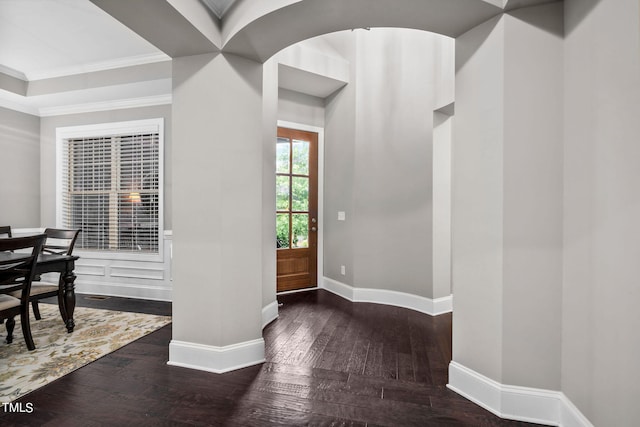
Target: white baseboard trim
{"x":527,"y":404}
{"x":269,"y":313}
{"x":216,"y":359}
{"x":125,"y":291}
{"x":570,"y":416}
{"x":338,"y":288}
{"x":297,"y":291}
{"x":432,"y":307}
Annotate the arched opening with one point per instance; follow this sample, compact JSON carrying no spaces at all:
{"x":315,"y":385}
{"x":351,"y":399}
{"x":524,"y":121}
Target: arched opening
{"x":383,"y":86}
{"x":489,"y":221}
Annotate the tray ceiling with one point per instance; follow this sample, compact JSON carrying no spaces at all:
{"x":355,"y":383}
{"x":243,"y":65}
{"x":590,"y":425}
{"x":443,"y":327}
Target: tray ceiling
{"x":44,"y":38}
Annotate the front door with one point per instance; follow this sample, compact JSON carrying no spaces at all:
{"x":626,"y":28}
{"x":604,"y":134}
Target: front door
{"x":296,"y":209}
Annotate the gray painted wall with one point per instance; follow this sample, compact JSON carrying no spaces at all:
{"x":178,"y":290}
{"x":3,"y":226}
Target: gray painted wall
{"x":339,"y":191}
{"x":507,"y":215}
{"x":442,"y":142}
{"x":301,"y":108}
{"x":269,"y":135}
{"x":20,"y":171}
{"x":393,"y":169}
{"x":600,"y":340}
{"x":532,"y":196}
{"x":47,"y":149}
{"x":477,"y":200}
{"x":378,"y":163}
{"x":218,"y":202}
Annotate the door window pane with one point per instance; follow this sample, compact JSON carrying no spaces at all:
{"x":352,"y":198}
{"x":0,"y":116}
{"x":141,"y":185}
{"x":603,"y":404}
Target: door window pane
{"x":300,"y":157}
{"x":300,"y":193}
{"x":282,"y":193}
{"x":282,"y":231}
{"x":282,"y":155}
{"x":300,"y":229}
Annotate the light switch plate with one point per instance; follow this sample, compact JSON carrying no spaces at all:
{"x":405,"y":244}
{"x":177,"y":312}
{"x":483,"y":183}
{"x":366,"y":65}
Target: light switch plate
{"x":341,"y":216}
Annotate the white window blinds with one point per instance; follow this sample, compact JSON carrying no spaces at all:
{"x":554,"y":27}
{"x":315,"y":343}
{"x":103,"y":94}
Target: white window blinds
{"x":111,"y":191}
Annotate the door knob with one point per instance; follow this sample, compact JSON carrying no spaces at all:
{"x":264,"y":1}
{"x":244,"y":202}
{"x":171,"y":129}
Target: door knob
{"x":313,"y":229}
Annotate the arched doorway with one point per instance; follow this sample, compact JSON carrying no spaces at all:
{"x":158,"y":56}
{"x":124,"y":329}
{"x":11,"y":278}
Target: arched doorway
{"x":495,"y":226}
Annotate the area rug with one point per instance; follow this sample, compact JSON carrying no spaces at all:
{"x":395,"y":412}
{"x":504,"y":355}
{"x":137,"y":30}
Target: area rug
{"x":57,"y":353}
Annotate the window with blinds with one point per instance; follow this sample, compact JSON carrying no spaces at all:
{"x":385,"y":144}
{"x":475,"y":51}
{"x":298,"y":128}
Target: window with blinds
{"x":110,"y":189}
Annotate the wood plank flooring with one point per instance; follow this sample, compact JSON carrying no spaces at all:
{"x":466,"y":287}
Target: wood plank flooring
{"x":329,"y":363}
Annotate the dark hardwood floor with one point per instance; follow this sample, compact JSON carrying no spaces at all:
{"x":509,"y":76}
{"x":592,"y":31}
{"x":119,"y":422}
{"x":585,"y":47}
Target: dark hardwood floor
{"x":329,"y":363}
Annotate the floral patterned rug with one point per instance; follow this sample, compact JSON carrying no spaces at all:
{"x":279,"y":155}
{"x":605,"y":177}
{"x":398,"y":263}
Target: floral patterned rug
{"x":97,"y":333}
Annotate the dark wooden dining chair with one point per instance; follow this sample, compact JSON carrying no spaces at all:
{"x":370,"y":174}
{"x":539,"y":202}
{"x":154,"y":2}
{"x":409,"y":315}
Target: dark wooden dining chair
{"x":5,"y":231}
{"x":16,"y":273}
{"x":61,"y":242}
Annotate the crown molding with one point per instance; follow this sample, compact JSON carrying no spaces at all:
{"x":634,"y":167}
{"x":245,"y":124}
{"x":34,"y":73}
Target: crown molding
{"x":148,"y":101}
{"x":18,"y":106}
{"x":97,"y":66}
{"x":13,"y":73}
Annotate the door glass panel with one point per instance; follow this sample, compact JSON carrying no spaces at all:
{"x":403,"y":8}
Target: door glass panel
{"x":300,"y":193}
{"x":282,"y":230}
{"x":282,"y":193}
{"x":300,"y":229}
{"x":300,"y":157}
{"x":282,"y":155}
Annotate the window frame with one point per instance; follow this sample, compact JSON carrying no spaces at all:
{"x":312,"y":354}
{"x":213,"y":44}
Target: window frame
{"x":113,"y":129}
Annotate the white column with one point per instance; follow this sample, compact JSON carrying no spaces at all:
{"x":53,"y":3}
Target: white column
{"x":507,"y":211}
{"x":442,"y":135}
{"x":600,"y":342}
{"x":270,"y":132}
{"x":217,"y":212}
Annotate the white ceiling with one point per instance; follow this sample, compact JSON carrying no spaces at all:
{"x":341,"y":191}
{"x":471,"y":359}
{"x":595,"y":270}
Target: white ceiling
{"x":45,"y":38}
{"x":42,"y":39}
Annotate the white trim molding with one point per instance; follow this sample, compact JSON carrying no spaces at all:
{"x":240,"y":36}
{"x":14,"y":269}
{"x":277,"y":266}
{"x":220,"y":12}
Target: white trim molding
{"x":269,"y":313}
{"x":111,"y":130}
{"x":527,"y":404}
{"x":216,"y":359}
{"x":320,"y":217}
{"x":570,"y":416}
{"x":432,"y":307}
{"x":121,"y":104}
{"x":131,"y":61}
{"x":141,"y":277}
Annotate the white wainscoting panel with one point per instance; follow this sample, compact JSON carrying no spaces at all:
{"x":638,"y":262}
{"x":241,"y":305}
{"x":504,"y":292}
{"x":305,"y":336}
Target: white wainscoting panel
{"x":143,"y":278}
{"x":137,"y":272}
{"x":91,"y":270}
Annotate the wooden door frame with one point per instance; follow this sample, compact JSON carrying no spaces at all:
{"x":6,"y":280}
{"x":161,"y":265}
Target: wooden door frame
{"x":320,"y":216}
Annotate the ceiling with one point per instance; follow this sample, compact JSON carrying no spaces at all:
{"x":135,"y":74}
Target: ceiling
{"x":50,"y":38}
{"x":219,"y":7}
{"x":43,"y":39}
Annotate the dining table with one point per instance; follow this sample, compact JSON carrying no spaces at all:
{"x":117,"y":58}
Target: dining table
{"x":53,"y":263}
